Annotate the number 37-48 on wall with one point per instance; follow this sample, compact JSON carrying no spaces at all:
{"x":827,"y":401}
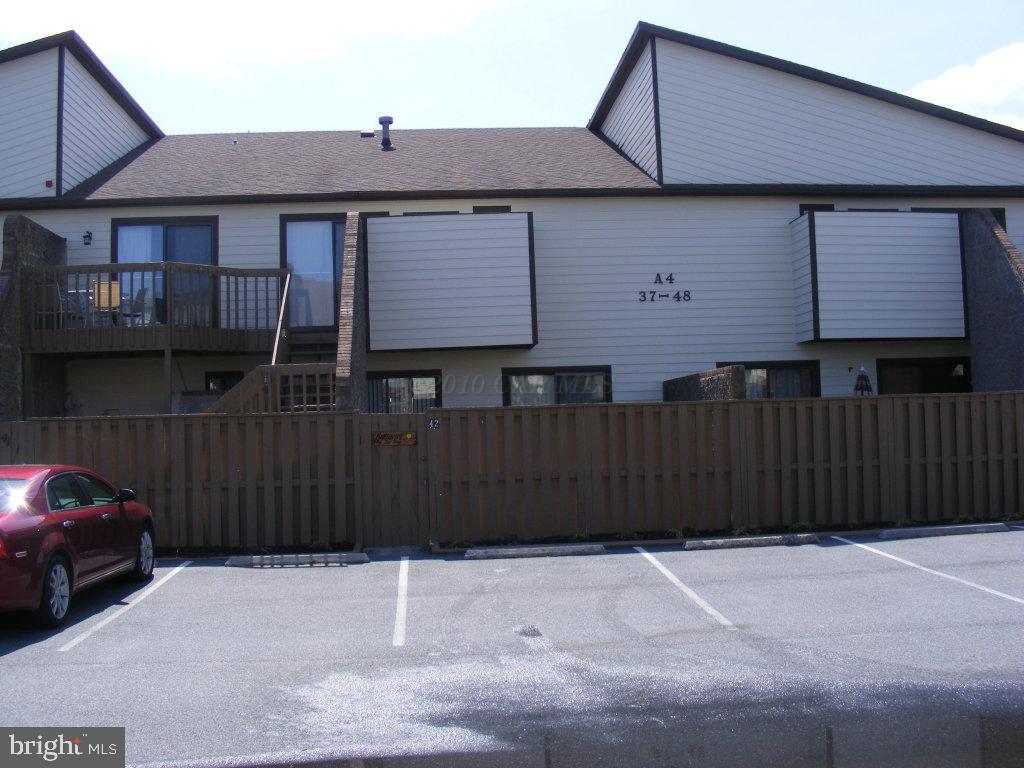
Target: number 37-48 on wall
{"x":665,"y":293}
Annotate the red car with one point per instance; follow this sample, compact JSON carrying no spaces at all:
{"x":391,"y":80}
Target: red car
{"x":63,"y":529}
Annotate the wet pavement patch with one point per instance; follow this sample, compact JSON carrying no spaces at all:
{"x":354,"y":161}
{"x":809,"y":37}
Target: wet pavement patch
{"x":528,"y":631}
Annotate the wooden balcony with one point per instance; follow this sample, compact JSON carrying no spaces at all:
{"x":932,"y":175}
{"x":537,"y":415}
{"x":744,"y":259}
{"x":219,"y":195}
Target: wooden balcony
{"x":142,"y":307}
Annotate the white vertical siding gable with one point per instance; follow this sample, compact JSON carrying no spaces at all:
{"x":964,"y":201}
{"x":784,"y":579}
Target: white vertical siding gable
{"x":97,"y":130}
{"x":28,"y":125}
{"x":727,"y":121}
{"x":630,"y":123}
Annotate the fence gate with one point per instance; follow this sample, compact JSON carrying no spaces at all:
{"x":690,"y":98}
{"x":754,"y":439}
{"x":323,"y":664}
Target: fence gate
{"x":393,"y":485}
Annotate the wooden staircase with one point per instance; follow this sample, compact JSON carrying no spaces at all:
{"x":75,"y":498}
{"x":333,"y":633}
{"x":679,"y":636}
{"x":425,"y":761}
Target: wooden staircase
{"x":286,"y":388}
{"x":309,"y":370}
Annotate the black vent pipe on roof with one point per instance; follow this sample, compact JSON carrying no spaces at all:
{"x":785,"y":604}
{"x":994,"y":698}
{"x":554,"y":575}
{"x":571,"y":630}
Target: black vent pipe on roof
{"x":385,"y":138}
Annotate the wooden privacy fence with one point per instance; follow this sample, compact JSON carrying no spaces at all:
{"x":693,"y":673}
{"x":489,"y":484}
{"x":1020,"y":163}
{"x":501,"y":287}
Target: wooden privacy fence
{"x":520,"y":474}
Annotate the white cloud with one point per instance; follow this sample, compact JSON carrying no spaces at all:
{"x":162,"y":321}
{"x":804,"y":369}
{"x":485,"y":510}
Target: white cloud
{"x":991,"y":87}
{"x":218,"y":38}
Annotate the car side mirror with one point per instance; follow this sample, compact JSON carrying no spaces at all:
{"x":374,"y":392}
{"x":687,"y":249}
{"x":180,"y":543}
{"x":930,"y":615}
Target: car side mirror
{"x":125,"y":495}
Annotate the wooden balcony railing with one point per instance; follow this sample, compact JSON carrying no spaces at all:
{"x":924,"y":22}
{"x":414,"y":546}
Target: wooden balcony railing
{"x":129,"y":307}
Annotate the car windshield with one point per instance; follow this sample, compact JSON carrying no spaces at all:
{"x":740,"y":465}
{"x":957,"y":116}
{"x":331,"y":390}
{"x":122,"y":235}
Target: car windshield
{"x":12,"y":494}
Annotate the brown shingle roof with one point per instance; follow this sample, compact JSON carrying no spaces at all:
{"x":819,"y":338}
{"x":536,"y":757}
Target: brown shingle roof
{"x":337,"y":162}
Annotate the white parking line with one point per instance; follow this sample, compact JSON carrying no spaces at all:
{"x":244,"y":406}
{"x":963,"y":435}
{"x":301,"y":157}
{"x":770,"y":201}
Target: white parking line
{"x":932,"y":571}
{"x":708,"y":608}
{"x":124,"y":609}
{"x":398,"y":638}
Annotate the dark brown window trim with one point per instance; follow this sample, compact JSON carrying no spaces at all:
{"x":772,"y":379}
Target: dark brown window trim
{"x":814,"y":365}
{"x":334,"y":218}
{"x":435,"y":373}
{"x":212,"y":221}
{"x":605,"y":370}
{"x":492,"y":209}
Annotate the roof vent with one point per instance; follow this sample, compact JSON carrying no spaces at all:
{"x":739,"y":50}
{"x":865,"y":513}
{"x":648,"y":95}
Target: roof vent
{"x":366,"y":134}
{"x":385,"y":134}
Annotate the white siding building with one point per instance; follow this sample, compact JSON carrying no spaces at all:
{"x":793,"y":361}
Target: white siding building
{"x":723,"y":207}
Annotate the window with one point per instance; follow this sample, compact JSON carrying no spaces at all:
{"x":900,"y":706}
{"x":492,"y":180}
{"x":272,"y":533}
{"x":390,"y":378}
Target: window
{"x":154,"y":241}
{"x":63,"y":492}
{"x":923,"y":376}
{"x":312,"y":249}
{"x":779,"y":379}
{"x":96,"y":489}
{"x":147,"y":241}
{"x":556,"y":386}
{"x":221,"y":381}
{"x":403,"y":391}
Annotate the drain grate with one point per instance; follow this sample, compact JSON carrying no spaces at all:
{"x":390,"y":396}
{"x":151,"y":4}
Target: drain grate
{"x":315,"y":559}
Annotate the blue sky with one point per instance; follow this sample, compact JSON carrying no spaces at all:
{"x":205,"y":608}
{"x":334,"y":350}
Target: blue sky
{"x":200,"y":67}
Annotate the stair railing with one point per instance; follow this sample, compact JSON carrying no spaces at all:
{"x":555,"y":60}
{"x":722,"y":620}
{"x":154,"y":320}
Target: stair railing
{"x":287,"y":388}
{"x":280,"y":336}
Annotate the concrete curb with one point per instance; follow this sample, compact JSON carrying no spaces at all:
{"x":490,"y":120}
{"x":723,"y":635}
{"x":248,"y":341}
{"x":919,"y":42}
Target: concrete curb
{"x":740,"y":542}
{"x":942,"y":530}
{"x":314,"y":559}
{"x":554,"y":550}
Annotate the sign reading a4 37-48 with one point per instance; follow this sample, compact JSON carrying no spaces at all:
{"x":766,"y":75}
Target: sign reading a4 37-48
{"x":666,"y":290}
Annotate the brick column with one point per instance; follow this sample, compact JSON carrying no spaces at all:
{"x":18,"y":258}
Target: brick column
{"x":350,"y":370}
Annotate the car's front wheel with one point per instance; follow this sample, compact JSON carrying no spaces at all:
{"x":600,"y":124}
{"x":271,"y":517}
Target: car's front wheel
{"x":144,"y":560}
{"x":53,"y":608}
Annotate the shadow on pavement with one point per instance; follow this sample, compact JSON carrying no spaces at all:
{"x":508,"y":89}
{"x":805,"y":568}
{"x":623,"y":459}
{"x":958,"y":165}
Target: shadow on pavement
{"x":19,"y":630}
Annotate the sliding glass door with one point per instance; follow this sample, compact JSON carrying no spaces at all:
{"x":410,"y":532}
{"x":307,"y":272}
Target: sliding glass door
{"x":313,"y":253}
{"x":182,"y":241}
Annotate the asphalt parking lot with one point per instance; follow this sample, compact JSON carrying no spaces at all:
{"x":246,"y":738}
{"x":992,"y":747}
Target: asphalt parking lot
{"x":891,"y":653}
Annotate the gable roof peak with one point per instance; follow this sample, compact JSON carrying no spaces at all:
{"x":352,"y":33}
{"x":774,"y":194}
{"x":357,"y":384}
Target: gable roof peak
{"x":645,"y":32}
{"x":73,"y":42}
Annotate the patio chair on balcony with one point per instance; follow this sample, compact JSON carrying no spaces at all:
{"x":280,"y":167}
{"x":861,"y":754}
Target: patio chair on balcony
{"x":137,"y":312}
{"x":106,"y":300}
{"x":56,"y":307}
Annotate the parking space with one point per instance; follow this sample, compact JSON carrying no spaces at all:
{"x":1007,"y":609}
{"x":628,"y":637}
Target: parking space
{"x":428,"y":655}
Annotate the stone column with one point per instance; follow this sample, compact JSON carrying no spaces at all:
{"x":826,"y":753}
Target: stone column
{"x":28,"y":387}
{"x":994,"y":287}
